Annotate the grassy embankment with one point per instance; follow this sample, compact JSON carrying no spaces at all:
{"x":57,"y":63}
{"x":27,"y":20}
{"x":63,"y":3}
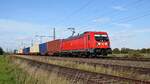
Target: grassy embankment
{"x":11,"y":74}
{"x":99,"y":69}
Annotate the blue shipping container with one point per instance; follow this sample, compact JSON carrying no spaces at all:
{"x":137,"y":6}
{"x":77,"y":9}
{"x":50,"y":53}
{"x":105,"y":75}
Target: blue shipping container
{"x":43,"y":48}
{"x":26,"y":51}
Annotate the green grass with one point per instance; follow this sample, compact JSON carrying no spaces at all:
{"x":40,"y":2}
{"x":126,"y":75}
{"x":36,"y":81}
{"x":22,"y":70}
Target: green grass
{"x":13,"y":71}
{"x":6,"y":72}
{"x":10,"y":74}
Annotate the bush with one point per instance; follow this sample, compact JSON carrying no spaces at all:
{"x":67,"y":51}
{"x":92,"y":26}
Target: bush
{"x":135,"y":54}
{"x":116,"y":51}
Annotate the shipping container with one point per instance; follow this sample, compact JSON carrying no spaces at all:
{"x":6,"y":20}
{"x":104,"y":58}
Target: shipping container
{"x":34,"y":50}
{"x":26,"y":51}
{"x":20,"y":51}
{"x":53,"y":47}
{"x":43,"y":49}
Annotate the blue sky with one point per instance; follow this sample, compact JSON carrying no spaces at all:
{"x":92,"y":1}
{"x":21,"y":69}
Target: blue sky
{"x":21,"y":20}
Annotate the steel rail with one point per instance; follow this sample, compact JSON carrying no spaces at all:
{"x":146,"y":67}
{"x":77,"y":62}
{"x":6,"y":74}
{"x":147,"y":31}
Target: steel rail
{"x":93,"y":78}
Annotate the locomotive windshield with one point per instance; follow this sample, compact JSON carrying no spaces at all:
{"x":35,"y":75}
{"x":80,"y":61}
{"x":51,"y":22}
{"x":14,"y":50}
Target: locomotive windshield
{"x":101,"y":37}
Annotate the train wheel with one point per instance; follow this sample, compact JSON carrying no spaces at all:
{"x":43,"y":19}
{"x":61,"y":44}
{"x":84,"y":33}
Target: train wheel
{"x":104,"y":54}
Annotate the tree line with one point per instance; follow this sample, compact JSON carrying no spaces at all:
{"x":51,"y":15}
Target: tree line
{"x":1,"y":51}
{"x":128,"y":50}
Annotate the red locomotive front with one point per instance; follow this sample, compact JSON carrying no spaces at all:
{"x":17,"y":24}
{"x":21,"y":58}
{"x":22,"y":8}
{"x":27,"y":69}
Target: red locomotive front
{"x":88,"y":43}
{"x":98,"y":43}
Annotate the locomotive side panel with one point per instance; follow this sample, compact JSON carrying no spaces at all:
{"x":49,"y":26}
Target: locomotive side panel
{"x":95,"y":43}
{"x":75,"y":44}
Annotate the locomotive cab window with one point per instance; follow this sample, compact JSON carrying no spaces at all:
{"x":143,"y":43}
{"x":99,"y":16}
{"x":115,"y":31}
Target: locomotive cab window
{"x":88,"y":37}
{"x":101,"y":37}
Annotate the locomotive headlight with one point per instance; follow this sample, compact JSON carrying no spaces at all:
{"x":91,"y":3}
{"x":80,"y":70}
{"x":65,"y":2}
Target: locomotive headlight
{"x":98,"y":43}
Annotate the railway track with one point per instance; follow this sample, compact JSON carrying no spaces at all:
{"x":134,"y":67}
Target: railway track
{"x":140,"y":70}
{"x":86,"y":76}
{"x":143,"y":63}
{"x":126,"y":67}
{"x":125,"y":58}
{"x":114,"y":61}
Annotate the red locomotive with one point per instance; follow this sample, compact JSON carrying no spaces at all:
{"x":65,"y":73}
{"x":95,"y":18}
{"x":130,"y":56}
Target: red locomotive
{"x":86,"y":44}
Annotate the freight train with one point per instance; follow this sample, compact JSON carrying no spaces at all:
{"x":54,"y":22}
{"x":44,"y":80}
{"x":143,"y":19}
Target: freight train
{"x":87,"y":44}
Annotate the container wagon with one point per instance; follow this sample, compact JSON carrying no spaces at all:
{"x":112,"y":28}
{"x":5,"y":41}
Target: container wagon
{"x":43,"y":49}
{"x":20,"y":51}
{"x":26,"y":51}
{"x":54,"y":47}
{"x":34,"y":50}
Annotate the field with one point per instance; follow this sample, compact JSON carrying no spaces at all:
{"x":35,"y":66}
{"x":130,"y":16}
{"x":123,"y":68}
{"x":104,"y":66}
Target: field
{"x":7,"y":72}
{"x":22,"y":74}
{"x":10,"y":74}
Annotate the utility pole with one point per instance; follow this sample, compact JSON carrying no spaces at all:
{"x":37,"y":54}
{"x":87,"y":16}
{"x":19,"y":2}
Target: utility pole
{"x":54,"y":36}
{"x":23,"y":44}
{"x":32,"y":42}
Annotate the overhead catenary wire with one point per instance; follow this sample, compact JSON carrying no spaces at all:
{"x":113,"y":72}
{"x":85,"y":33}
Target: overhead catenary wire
{"x":134,"y":18}
{"x":124,"y":6}
{"x":81,"y":8}
{"x":129,"y":19}
{"x":126,"y":19}
{"x":75,"y":11}
{"x":88,"y":3}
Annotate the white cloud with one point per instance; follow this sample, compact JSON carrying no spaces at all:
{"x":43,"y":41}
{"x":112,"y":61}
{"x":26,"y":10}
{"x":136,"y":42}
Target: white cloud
{"x":119,"y":8}
{"x":12,"y":25}
{"x":124,"y":25}
{"x":15,"y":32}
{"x":143,"y":30}
{"x":102,"y":20}
{"x":130,"y":37}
